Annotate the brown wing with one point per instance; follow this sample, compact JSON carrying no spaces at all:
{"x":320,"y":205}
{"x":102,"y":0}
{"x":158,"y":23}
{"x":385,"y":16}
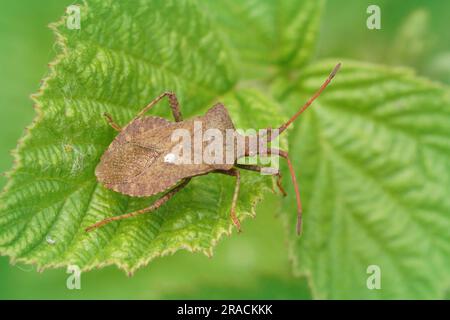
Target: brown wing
{"x":157,"y":175}
{"x":149,"y":140}
{"x":123,"y":164}
{"x":124,"y":160}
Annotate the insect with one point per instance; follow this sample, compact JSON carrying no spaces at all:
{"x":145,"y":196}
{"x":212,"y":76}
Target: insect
{"x":139,"y":161}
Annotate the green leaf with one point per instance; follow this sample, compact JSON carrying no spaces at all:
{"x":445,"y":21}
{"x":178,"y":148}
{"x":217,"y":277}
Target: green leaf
{"x":123,"y":56}
{"x":373,"y":164}
{"x":268,"y":35}
{"x":412,"y":43}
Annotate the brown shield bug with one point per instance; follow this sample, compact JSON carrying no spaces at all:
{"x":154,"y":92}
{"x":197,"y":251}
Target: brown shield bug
{"x":140,"y":162}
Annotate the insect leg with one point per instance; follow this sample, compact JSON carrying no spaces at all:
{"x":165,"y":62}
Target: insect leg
{"x":163,"y":199}
{"x":259,"y":169}
{"x":174,"y":105}
{"x":234,"y":172}
{"x":285,"y":155}
{"x":111,"y":122}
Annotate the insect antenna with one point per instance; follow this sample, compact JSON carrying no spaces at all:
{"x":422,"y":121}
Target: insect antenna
{"x":272,"y":134}
{"x":284,"y":126}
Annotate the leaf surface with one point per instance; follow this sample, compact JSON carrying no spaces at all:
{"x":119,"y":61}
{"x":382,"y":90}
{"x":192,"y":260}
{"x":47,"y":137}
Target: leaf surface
{"x":123,"y":56}
{"x":268,"y":36}
{"x":374,"y":172}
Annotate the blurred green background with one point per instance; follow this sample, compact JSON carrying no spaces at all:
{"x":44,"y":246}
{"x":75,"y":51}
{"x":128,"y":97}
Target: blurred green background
{"x":255,"y":263}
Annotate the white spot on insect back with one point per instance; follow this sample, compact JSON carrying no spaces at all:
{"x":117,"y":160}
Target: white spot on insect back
{"x":170,"y":158}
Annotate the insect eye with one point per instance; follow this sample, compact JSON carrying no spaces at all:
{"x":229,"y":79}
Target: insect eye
{"x":170,"y":158}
